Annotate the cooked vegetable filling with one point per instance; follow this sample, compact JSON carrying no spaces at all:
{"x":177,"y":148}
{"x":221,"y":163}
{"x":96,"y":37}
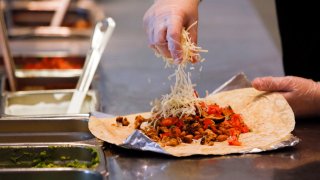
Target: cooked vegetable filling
{"x":210,"y":124}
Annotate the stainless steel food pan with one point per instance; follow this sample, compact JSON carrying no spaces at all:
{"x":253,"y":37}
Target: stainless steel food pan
{"x":32,"y":18}
{"x":40,"y":71}
{"x":2,"y":90}
{"x":48,"y":65}
{"x":44,"y":130}
{"x":52,"y":155}
{"x":53,"y":160}
{"x":46,"y":103}
{"x":48,"y":83}
{"x":50,"y":174}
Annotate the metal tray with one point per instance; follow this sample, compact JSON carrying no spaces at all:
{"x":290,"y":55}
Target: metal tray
{"x":32,"y":18}
{"x":46,"y":103}
{"x":40,"y":65}
{"x":41,"y":71}
{"x":47,"y":83}
{"x":50,"y":174}
{"x":2,"y":90}
{"x":52,"y":156}
{"x":23,"y":17}
{"x":56,"y":159}
{"x":44,"y":130}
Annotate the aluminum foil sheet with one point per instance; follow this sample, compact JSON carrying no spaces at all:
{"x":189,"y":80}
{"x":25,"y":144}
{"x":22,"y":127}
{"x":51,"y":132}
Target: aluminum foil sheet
{"x":140,"y":141}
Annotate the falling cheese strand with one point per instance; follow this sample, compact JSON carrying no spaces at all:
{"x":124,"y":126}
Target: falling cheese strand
{"x":182,"y":99}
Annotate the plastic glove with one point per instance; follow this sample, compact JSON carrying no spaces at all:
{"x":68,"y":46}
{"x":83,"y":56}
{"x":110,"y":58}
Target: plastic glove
{"x":303,"y":95}
{"x":164,"y":22}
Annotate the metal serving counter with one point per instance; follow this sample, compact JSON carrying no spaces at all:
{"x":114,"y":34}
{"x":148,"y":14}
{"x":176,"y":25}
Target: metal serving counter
{"x":299,"y":162}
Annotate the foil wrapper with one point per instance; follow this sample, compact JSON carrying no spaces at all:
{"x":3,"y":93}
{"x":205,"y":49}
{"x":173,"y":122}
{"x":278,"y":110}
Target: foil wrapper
{"x":140,"y":141}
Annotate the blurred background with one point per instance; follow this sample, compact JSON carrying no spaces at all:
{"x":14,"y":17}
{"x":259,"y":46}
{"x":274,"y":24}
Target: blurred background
{"x":240,"y":36}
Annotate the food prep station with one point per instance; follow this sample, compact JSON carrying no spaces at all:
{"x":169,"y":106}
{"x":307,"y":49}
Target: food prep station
{"x":39,"y":144}
{"x":38,"y":140}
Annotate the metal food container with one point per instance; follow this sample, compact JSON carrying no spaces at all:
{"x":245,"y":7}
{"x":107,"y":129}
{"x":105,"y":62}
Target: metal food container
{"x":47,"y":71}
{"x":2,"y":89}
{"x":50,"y":174}
{"x":52,"y":161}
{"x":46,"y":103}
{"x":42,"y":130}
{"x":31,"y":18}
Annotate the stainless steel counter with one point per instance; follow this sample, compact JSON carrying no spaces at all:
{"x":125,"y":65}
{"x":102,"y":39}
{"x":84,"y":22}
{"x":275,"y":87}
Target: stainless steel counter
{"x":299,"y":162}
{"x":238,"y":40}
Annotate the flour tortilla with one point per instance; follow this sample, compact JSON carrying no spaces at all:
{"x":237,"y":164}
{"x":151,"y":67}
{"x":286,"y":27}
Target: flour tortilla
{"x":268,"y":115}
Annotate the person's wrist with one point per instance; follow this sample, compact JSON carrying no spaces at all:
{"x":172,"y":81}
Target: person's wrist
{"x":317,"y":98}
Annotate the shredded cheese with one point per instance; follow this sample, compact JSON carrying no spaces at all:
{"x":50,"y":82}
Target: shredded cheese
{"x":182,"y":99}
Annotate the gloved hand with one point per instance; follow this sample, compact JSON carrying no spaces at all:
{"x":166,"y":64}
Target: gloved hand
{"x":164,"y":22}
{"x":303,"y":95}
